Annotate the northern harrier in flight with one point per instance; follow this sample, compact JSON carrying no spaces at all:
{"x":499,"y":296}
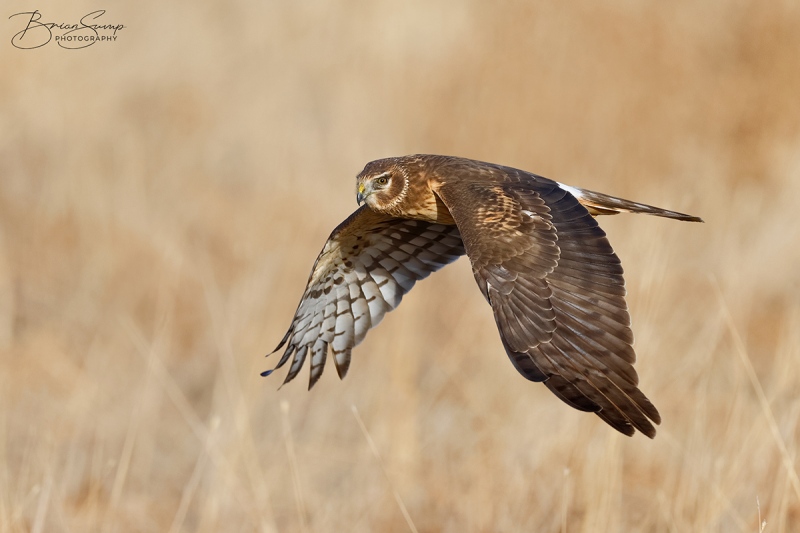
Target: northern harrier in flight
{"x":541,"y":261}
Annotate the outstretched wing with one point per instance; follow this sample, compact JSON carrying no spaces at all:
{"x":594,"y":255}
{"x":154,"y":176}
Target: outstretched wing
{"x":369,"y":262}
{"x":555,"y":286}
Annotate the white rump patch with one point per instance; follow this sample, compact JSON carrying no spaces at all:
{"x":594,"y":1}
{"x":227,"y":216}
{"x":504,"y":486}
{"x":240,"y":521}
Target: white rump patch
{"x":574,"y":191}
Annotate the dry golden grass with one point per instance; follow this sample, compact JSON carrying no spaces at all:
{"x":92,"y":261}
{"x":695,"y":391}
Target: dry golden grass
{"x":155,"y":237}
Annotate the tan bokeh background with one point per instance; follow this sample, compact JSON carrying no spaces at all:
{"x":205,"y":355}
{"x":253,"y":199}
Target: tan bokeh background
{"x":162,"y":199}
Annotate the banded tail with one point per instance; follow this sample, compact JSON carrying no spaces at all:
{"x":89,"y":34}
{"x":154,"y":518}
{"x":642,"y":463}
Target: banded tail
{"x":602,"y":204}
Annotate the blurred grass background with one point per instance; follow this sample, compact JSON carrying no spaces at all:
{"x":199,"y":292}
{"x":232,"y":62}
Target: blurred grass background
{"x":163,"y":197}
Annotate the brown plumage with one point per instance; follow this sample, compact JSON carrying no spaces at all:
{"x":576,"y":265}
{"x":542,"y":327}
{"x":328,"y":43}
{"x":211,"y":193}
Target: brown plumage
{"x":539,"y":258}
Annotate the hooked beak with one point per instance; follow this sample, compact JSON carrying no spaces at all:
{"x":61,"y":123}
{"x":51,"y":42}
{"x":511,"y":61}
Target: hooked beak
{"x":360,"y":196}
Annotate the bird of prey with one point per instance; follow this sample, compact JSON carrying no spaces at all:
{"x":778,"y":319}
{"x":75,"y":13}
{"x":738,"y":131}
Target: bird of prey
{"x":541,"y":261}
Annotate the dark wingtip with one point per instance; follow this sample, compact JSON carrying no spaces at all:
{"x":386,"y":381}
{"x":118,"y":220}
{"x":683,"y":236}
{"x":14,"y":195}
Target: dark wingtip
{"x":342,"y":369}
{"x":281,"y":344}
{"x":343,"y":366}
{"x":652,"y":413}
{"x":266,"y":373}
{"x":645,"y":427}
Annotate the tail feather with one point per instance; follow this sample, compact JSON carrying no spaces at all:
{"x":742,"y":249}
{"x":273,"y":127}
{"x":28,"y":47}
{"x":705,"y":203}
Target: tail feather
{"x":602,"y":204}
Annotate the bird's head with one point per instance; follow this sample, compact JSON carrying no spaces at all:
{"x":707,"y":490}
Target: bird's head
{"x":382,"y":184}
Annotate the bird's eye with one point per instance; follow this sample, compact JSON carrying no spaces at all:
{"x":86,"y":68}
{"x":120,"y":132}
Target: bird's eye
{"x":381,"y":180}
